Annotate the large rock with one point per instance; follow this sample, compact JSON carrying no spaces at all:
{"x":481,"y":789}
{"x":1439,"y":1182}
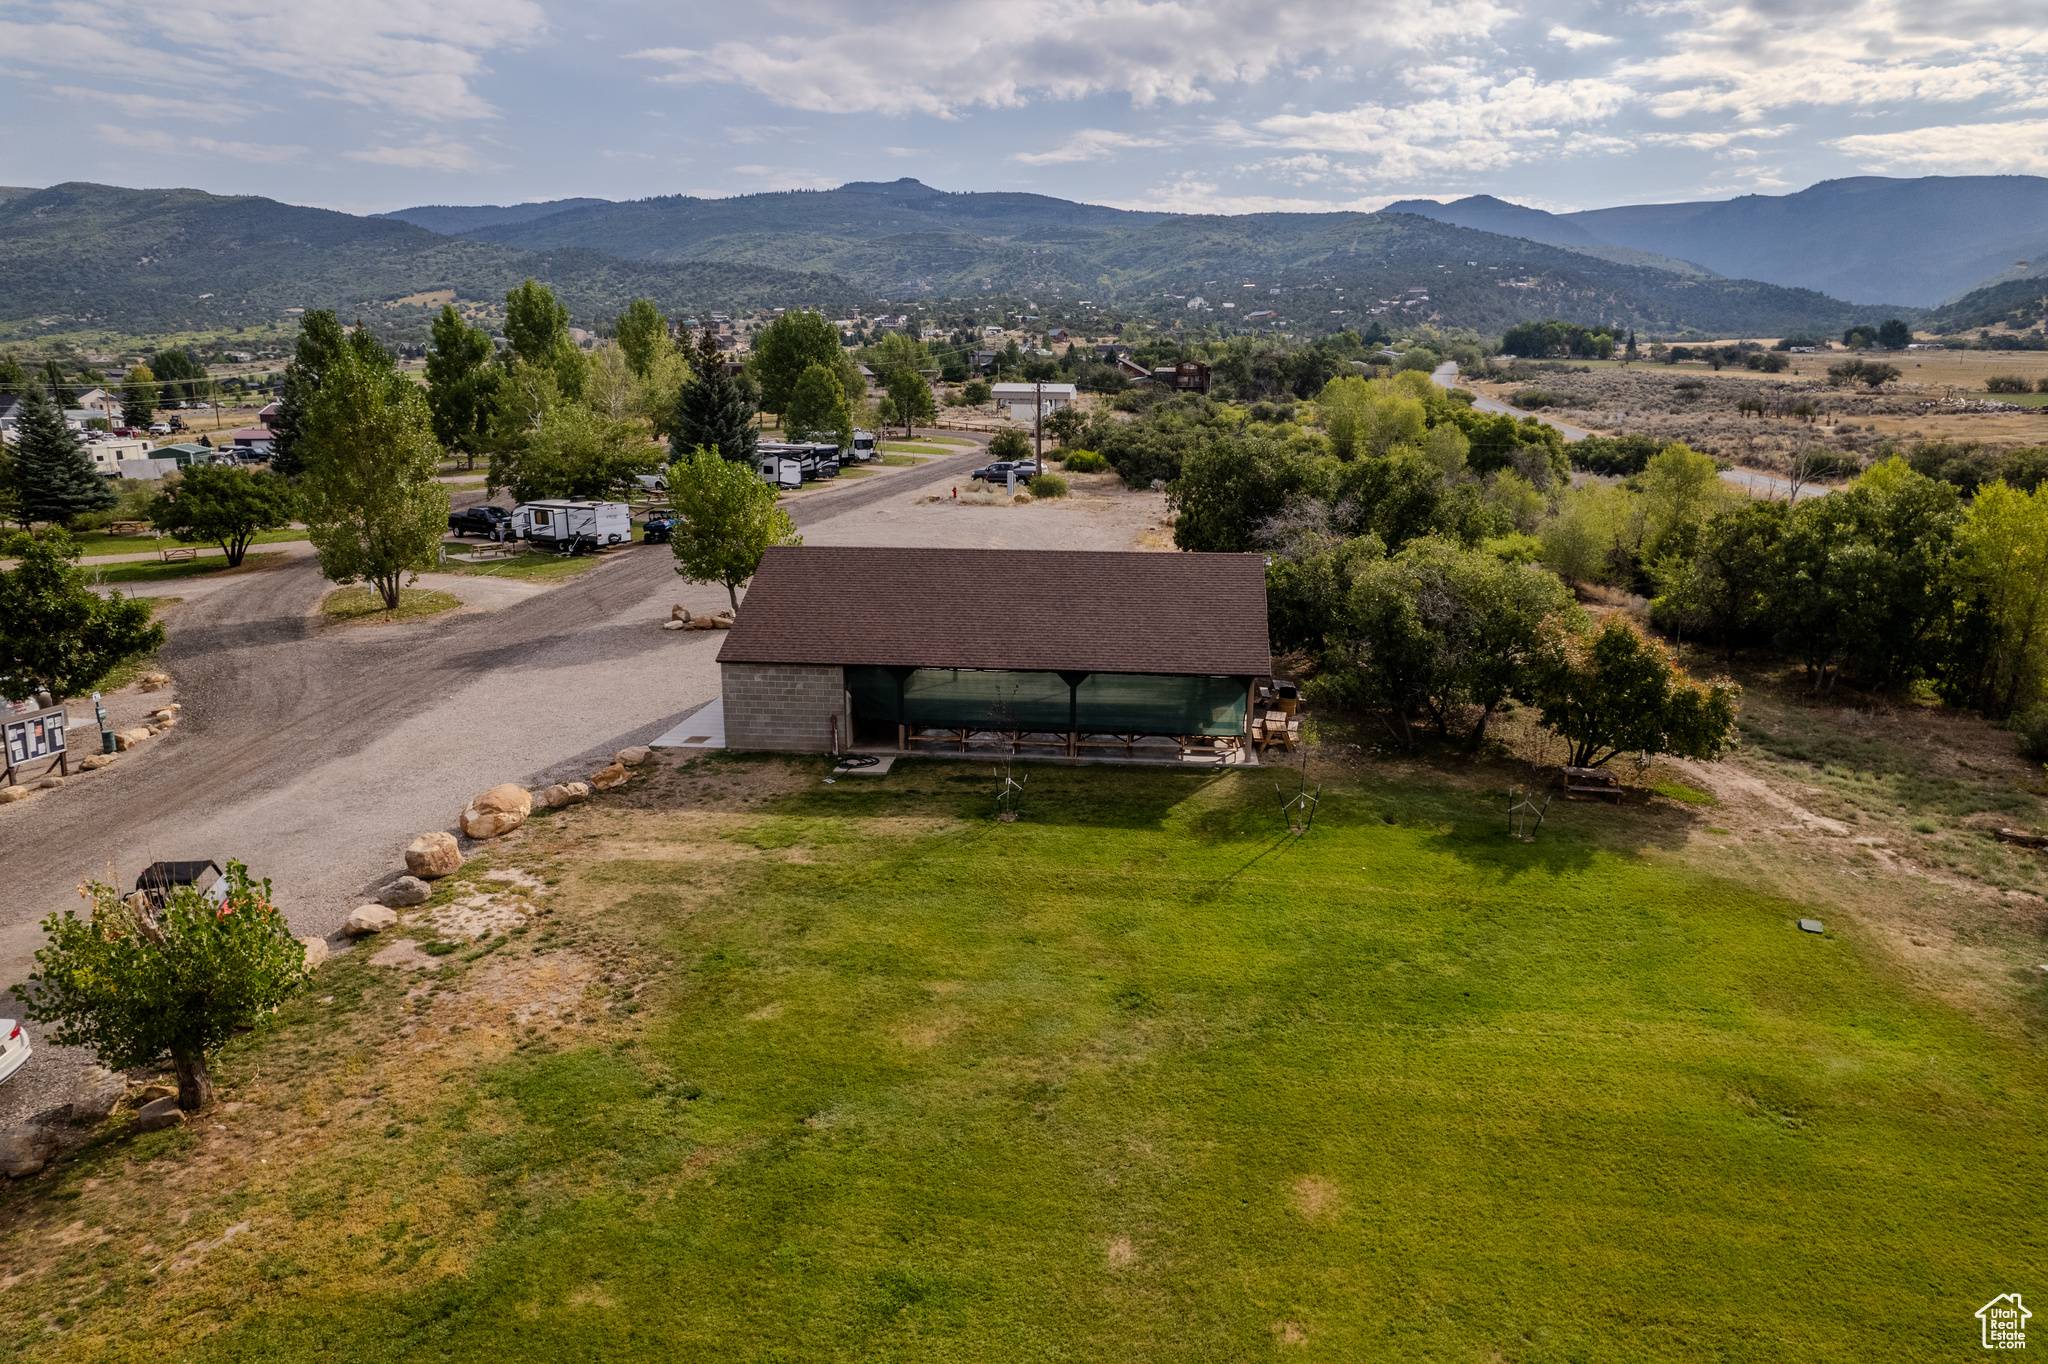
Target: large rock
{"x":497,"y":811}
{"x":368,"y":919}
{"x":432,"y":856}
{"x":10,"y":794}
{"x":95,"y":1094}
{"x":155,"y":681}
{"x":158,"y":1114}
{"x":316,"y":951}
{"x":50,"y":783}
{"x":128,"y":738}
{"x":407,"y":891}
{"x":26,"y":1148}
{"x":675,"y":625}
{"x":96,"y":762}
{"x":607,"y":778}
{"x":563,"y":793}
{"x":632,"y":757}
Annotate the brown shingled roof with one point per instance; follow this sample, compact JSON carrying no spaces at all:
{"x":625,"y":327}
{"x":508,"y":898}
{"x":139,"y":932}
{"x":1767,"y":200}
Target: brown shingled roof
{"x":1034,"y":610}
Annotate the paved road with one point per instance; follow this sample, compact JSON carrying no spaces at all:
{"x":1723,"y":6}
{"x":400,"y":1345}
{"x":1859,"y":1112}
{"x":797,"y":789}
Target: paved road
{"x":1446,"y":376}
{"x":315,"y":753}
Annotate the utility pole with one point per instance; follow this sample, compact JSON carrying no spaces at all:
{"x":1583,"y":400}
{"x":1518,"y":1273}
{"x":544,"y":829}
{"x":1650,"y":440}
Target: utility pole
{"x":1038,"y":421}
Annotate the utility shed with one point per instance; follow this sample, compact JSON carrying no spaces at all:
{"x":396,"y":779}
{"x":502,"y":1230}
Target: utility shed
{"x":1067,"y":650}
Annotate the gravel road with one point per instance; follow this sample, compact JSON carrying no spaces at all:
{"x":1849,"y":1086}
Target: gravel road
{"x":316,"y":753}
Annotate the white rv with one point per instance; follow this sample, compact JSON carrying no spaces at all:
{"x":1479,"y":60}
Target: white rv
{"x":572,"y":527}
{"x":784,"y":471}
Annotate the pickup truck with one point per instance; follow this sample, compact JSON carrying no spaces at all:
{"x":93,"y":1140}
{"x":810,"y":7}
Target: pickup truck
{"x":1025,"y":469}
{"x":482,"y":520}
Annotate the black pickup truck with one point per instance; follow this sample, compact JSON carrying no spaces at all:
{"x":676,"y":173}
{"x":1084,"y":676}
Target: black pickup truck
{"x":481,"y":520}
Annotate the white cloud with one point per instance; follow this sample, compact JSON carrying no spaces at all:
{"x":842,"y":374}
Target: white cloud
{"x":434,"y":153}
{"x":1090,"y":144}
{"x":2017,"y":148}
{"x":207,"y":109}
{"x":1481,"y":125}
{"x":949,"y":57}
{"x":263,"y":153}
{"x":161,"y":143}
{"x":404,"y":57}
{"x":1578,"y":40}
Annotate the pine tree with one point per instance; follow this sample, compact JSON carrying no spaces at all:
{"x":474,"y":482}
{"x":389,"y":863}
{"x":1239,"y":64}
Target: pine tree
{"x":320,"y":343}
{"x":53,"y":476}
{"x":712,"y":409}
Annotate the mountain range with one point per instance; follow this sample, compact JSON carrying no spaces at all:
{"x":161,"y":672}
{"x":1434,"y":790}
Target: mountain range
{"x":80,"y":256}
{"x":1867,"y":239}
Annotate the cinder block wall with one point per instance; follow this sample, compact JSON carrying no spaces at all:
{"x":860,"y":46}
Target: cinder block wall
{"x":786,"y":707}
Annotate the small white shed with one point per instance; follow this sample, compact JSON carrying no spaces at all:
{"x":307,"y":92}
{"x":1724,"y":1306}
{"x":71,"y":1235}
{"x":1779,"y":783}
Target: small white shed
{"x":1024,"y":400}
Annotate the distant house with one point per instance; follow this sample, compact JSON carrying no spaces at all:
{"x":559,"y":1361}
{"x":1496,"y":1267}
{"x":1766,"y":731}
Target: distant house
{"x":1189,"y":376}
{"x":100,"y":403}
{"x":1023,"y":400}
{"x":1260,"y":317}
{"x":268,"y":416}
{"x":984,"y":361}
{"x":254,"y":439}
{"x":1132,"y":370}
{"x":1058,"y":334}
{"x":1109,"y":355}
{"x":991,"y":331}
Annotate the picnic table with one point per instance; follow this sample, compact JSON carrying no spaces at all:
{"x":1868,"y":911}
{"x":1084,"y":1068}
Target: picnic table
{"x":1591,"y":781}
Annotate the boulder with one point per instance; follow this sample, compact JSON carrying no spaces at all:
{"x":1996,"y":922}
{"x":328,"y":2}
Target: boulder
{"x":163,"y":722}
{"x":722,"y":621}
{"x":632,"y":757}
{"x":149,"y":1094}
{"x":96,"y":762}
{"x":432,"y":856}
{"x":316,"y":951}
{"x":10,"y":794}
{"x":607,"y":778}
{"x":678,"y":613}
{"x":675,"y":625}
{"x":158,"y":1114}
{"x":564,"y":793}
{"x":497,"y":811}
{"x":26,"y":1148}
{"x":155,"y":681}
{"x":128,"y":738}
{"x":703,"y":623}
{"x":406,"y":891}
{"x":368,"y":919}
{"x":50,"y":783}
{"x":95,"y":1094}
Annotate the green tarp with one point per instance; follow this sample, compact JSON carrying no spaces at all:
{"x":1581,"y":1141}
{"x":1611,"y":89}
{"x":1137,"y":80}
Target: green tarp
{"x":1108,"y":703}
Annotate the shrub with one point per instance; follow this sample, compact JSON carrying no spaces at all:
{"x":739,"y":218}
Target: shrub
{"x":1048,"y":485}
{"x":1615,"y":456}
{"x":976,"y":392}
{"x":1011,"y":445}
{"x":2032,"y":727}
{"x":1529,"y":399}
{"x":2008,"y":383}
{"x":1083,"y":462}
{"x":2041,"y":385}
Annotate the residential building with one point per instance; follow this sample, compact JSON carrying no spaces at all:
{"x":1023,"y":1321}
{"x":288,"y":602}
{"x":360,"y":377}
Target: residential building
{"x":1025,"y":401}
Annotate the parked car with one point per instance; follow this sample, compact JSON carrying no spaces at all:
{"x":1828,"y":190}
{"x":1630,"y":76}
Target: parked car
{"x":480,"y":520}
{"x":160,"y":429}
{"x":653,"y":483}
{"x":14,"y":1050}
{"x":1000,"y":471}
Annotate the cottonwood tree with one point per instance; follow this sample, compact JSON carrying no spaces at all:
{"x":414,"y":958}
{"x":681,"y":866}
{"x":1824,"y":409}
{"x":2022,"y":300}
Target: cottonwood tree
{"x":909,"y":400}
{"x":1607,"y":688}
{"x":642,"y":335}
{"x":791,"y":344}
{"x":53,"y":476}
{"x":321,"y":343}
{"x":573,"y":452}
{"x":537,"y":327}
{"x":462,"y":385}
{"x":372,"y":506}
{"x":712,"y":409}
{"x":225,"y":506}
{"x":2002,"y":571}
{"x":141,"y":985}
{"x":56,"y":633}
{"x":818,"y":407}
{"x":726,"y":519}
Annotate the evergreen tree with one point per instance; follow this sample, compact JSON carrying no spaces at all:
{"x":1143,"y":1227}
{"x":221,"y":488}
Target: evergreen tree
{"x":53,"y":476}
{"x":60,"y":392}
{"x":138,"y":397}
{"x":712,"y":409}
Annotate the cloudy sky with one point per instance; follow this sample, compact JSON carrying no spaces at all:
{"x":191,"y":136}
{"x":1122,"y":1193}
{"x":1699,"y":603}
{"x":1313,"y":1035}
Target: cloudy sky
{"x":1190,"y":105}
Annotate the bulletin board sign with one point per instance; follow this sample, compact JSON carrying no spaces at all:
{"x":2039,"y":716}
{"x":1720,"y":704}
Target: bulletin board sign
{"x":30,"y":739}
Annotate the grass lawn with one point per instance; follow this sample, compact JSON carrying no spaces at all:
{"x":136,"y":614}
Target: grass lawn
{"x":899,"y":461}
{"x":898,"y":447}
{"x":854,"y":1072}
{"x":530,"y":568}
{"x":143,"y":571}
{"x":102,"y":542}
{"x":365,"y":605}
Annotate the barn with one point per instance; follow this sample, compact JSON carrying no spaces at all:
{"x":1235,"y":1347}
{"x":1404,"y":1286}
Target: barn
{"x":1072,"y":653}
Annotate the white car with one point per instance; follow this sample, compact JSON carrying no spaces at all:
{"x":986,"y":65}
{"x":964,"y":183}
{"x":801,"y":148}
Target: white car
{"x":14,"y":1051}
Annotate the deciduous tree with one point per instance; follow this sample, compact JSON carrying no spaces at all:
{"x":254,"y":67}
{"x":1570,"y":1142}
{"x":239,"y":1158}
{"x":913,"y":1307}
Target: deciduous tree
{"x":370,"y":499}
{"x":642,"y":334}
{"x":462,"y":385}
{"x":227,"y":506}
{"x":818,"y":408}
{"x":320,"y":344}
{"x":141,"y":985}
{"x":791,"y":344}
{"x":1609,"y":689}
{"x":138,"y":397}
{"x":56,"y":633}
{"x":726,"y":520}
{"x":910,"y":399}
